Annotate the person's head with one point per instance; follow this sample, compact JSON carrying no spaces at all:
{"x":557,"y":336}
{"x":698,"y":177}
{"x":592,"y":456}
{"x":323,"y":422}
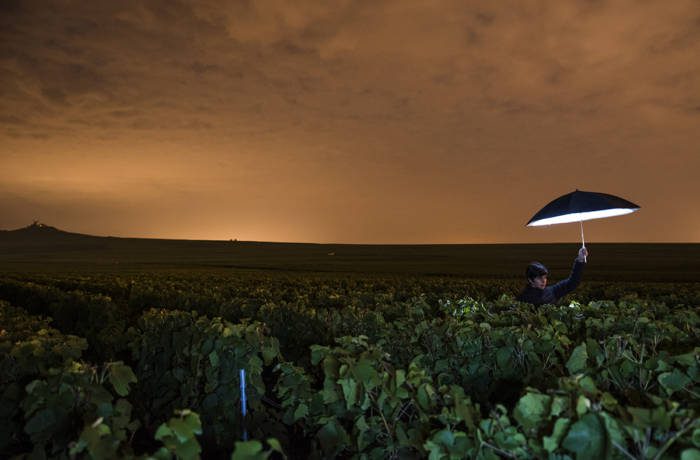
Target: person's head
{"x":536,"y":275}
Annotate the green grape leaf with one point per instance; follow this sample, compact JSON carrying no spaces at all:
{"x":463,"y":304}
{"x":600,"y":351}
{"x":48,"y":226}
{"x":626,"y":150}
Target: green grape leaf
{"x":188,"y":449}
{"x":586,"y":438}
{"x":532,"y":409}
{"x":214,"y":358}
{"x":365,"y":372}
{"x":332,"y":437}
{"x":577,"y":360}
{"x":41,"y":421}
{"x":247,"y":450}
{"x":301,"y":411}
{"x":349,"y":391}
{"x":690,"y":454}
{"x":673,"y":381}
{"x":275,"y":445}
{"x":120,"y":376}
{"x":551,"y":443}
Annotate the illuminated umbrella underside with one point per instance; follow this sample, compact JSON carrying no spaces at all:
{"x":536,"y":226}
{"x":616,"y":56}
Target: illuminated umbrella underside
{"x":579,"y":206}
{"x":580,"y":216}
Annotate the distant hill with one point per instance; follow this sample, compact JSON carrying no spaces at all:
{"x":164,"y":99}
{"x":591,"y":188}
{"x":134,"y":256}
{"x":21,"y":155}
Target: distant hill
{"x":41,"y":247}
{"x":38,"y":233}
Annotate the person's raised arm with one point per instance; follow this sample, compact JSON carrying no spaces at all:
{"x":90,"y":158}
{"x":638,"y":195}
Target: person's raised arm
{"x":565,"y":286}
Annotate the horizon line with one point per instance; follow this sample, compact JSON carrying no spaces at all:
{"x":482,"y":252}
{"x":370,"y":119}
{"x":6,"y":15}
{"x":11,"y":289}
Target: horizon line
{"x":235,"y":240}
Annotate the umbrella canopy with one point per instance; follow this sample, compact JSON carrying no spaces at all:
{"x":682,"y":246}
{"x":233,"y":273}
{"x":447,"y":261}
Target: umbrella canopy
{"x":579,"y":206}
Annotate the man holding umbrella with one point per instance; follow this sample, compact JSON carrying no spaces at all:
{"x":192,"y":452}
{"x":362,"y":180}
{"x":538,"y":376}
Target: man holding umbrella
{"x":576,"y":206}
{"x":537,"y":292}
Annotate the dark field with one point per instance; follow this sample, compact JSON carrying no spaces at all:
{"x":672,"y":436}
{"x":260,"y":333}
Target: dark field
{"x":42,"y":248}
{"x":351,"y":351}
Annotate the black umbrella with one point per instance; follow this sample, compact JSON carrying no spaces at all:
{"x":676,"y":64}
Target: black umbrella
{"x":579,"y":206}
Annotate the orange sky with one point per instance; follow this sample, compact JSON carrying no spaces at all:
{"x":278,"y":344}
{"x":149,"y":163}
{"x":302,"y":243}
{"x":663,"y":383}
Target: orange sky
{"x":338,"y":121}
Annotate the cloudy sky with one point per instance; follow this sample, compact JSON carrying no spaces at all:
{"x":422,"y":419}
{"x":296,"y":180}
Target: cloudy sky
{"x":383,"y":121}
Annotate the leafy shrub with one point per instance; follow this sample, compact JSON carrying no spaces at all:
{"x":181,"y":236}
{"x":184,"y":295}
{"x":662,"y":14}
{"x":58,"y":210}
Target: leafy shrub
{"x":183,"y":360}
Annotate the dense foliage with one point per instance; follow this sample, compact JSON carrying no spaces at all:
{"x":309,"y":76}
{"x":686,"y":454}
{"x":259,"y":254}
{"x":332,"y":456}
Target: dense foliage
{"x":148,"y":366}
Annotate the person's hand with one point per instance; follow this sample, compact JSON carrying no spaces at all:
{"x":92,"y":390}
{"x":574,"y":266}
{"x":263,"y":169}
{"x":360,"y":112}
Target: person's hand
{"x":582,"y":255}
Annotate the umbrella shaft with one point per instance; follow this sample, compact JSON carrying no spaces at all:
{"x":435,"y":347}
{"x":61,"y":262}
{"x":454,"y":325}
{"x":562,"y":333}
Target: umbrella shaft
{"x":583,"y":240}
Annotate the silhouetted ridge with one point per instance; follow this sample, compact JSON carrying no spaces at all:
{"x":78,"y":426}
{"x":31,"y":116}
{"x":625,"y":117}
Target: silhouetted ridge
{"x":39,"y":232}
{"x":38,"y":228}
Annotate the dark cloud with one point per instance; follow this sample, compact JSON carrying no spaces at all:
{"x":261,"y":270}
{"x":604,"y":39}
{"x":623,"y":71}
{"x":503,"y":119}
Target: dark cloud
{"x":55,"y":95}
{"x":201,"y":68}
{"x":11,"y":120}
{"x":125,"y":113}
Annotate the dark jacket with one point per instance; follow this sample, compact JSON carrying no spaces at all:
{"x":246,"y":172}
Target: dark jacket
{"x":551,"y":294}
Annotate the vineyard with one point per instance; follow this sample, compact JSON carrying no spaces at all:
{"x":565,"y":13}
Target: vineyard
{"x":147,"y":365}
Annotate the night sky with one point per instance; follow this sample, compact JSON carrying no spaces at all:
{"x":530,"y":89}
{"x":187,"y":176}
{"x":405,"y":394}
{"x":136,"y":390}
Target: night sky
{"x":349,"y":121}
